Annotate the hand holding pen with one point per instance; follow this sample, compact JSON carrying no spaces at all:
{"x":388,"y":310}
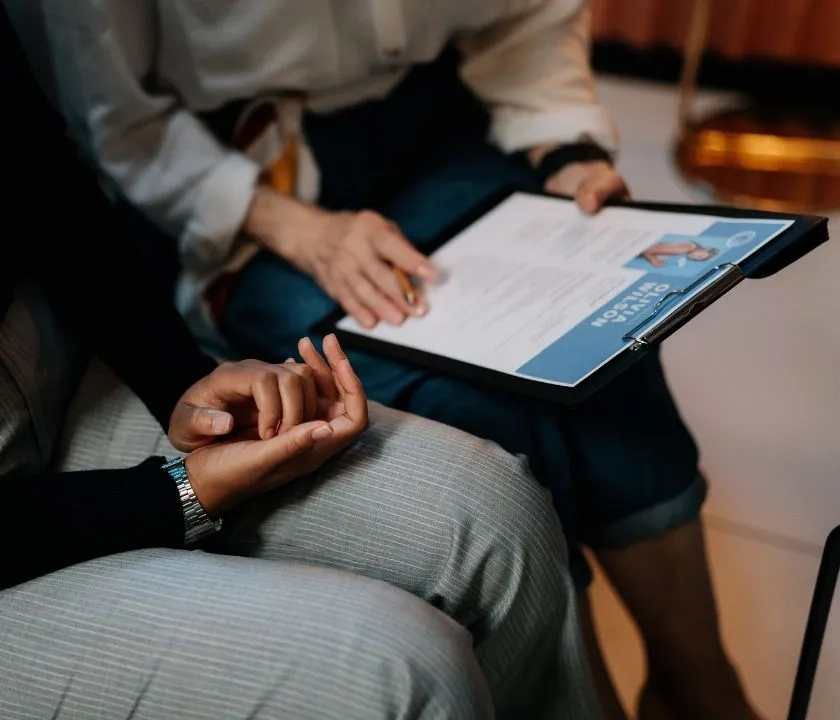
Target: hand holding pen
{"x":361,"y":260}
{"x":407,"y":288}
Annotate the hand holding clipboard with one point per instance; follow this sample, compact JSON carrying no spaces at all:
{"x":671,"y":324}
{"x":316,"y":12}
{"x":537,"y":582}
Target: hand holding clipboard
{"x":544,"y":300}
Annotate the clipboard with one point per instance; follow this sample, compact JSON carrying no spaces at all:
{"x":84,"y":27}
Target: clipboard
{"x":670,"y":313}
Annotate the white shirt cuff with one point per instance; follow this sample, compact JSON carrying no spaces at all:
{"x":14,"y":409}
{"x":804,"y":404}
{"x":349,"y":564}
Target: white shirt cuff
{"x":223,"y":202}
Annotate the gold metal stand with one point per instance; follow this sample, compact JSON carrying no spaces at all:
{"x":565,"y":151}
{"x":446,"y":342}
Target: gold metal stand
{"x":775,"y":161}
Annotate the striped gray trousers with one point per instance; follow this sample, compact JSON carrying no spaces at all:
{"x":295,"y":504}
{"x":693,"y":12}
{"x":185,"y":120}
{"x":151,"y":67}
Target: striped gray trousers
{"x":420,"y":575}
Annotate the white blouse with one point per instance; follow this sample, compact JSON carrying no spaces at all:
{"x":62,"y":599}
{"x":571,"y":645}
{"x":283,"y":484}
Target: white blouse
{"x":130,"y":74}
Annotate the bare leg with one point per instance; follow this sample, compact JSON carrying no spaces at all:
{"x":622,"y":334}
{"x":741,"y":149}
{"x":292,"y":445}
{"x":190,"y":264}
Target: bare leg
{"x":666,"y":586}
{"x":611,"y":708}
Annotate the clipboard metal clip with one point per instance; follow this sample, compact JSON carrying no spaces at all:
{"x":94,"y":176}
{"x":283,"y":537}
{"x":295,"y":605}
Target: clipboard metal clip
{"x":679,"y":306}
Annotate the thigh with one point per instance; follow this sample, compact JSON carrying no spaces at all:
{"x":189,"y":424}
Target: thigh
{"x":519,"y":425}
{"x":415,"y":503}
{"x":522,"y":427}
{"x":635,"y":462}
{"x":173,"y":634}
{"x":450,"y":518}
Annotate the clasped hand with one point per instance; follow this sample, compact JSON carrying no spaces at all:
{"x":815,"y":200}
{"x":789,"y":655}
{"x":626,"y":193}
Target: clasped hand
{"x":252,"y":426}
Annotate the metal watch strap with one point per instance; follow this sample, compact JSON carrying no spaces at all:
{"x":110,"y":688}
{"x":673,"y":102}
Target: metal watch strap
{"x":197,"y":523}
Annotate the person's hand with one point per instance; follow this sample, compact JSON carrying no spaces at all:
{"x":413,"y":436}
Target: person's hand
{"x":350,"y":255}
{"x":353,"y":260}
{"x":591,"y":184}
{"x":241,"y":466}
{"x":241,"y":396}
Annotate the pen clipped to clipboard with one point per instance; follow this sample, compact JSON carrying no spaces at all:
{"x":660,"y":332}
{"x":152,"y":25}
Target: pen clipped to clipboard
{"x":678,"y":307}
{"x":542,"y":301}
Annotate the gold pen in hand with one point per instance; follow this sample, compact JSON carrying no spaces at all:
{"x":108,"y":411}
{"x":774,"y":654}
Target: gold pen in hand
{"x":406,"y":286}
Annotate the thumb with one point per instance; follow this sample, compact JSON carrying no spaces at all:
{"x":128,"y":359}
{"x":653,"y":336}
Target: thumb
{"x":223,"y":474}
{"x":292,"y":443}
{"x":595,"y":191}
{"x":192,"y":427}
{"x":205,"y":421}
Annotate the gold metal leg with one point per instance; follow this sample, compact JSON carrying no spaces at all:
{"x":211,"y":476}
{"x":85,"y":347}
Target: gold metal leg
{"x":692,"y":56}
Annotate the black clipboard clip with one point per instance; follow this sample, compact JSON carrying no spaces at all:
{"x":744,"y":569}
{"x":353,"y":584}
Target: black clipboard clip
{"x":669,"y":316}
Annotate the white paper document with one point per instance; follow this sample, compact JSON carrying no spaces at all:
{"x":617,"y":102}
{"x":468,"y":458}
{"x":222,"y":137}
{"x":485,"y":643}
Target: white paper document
{"x":537,"y":289}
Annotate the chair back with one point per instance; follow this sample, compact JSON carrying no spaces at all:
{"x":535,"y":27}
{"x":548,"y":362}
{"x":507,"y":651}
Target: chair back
{"x":815,"y":629}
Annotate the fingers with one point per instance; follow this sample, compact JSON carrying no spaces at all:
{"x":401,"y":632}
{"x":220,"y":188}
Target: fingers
{"x":225,"y":474}
{"x":292,"y":443}
{"x":245,"y":399}
{"x":371,"y":297}
{"x":355,"y":308}
{"x":349,"y":386}
{"x":392,"y":245}
{"x":265,"y":457}
{"x":557,"y":185}
{"x":592,"y":184}
{"x":384,"y":278}
{"x":361,"y":275}
{"x":280,"y":396}
{"x":308,"y":386}
{"x":265,"y":389}
{"x":292,"y":401}
{"x":324,"y":381}
{"x":598,"y":188}
{"x":245,"y":467}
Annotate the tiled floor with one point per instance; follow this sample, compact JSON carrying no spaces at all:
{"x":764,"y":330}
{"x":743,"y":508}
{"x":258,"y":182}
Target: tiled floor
{"x":758,"y":378}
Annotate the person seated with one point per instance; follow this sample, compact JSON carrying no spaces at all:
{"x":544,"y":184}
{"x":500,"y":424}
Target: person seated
{"x":407,"y":570}
{"x":389,"y":120}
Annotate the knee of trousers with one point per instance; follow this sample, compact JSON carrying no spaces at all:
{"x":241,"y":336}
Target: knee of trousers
{"x":495,"y":510}
{"x":431,"y":659}
{"x":513,"y":524}
{"x":394,"y":655}
{"x":386,"y":653}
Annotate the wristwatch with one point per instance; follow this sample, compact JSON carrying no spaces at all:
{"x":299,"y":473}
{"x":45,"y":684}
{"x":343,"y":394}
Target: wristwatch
{"x":197,"y":523}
